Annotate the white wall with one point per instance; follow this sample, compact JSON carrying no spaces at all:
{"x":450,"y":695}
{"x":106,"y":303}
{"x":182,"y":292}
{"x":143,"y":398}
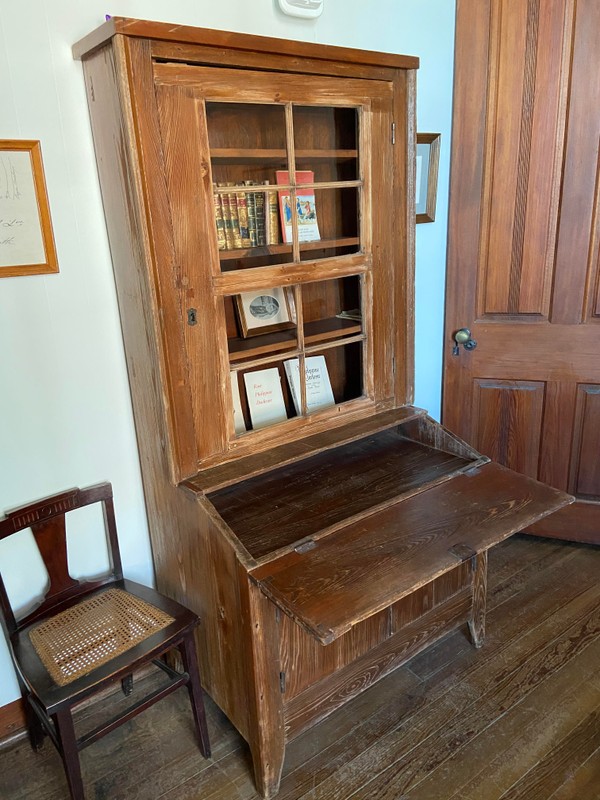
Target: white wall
{"x":65,"y":415}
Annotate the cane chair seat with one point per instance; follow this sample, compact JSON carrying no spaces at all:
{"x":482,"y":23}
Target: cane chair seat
{"x":94,"y":631}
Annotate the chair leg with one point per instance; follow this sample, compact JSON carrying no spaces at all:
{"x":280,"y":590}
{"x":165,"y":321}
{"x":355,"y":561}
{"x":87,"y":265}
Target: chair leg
{"x":127,"y":685}
{"x":190,"y":664}
{"x":65,"y":731}
{"x":35,"y":729}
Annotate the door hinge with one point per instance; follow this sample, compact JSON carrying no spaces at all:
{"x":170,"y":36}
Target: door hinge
{"x":282,"y":682}
{"x":393,"y":133}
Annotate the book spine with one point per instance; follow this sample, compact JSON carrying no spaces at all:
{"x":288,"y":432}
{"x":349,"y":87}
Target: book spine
{"x":260,"y":219}
{"x":272,"y":217}
{"x":242,"y":206}
{"x":227,"y":222}
{"x":251,"y":203}
{"x":220,"y":222}
{"x":235,"y":220}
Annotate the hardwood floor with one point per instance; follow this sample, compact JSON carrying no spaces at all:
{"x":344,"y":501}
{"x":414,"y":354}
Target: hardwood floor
{"x":517,"y":720}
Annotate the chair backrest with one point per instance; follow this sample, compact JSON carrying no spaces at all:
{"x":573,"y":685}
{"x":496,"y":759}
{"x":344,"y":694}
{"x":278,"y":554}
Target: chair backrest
{"x":46,"y":518}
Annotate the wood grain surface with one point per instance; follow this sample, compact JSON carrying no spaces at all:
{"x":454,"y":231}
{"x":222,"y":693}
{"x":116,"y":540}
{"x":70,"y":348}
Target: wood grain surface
{"x":301,"y":500}
{"x":517,"y":716}
{"x":364,"y":567}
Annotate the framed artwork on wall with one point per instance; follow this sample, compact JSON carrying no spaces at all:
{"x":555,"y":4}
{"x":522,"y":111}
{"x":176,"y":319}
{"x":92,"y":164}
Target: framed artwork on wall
{"x":26,"y":238}
{"x":428,"y":160}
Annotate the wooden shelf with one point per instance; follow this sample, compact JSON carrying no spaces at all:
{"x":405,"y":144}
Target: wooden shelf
{"x":322,"y":330}
{"x":226,"y":154}
{"x":275,"y":249}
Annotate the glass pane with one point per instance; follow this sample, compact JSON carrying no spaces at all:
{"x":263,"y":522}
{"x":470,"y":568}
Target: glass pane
{"x":247,"y":148}
{"x":260,"y":323}
{"x":337,"y":221}
{"x":331,"y":377}
{"x":261,"y":397}
{"x":326,"y":141}
{"x":253,"y":130}
{"x":331,"y":309}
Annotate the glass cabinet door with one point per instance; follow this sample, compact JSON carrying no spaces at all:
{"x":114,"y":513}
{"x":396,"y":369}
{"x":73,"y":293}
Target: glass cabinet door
{"x":294,"y":350}
{"x":308,"y":157}
{"x":282,"y":254}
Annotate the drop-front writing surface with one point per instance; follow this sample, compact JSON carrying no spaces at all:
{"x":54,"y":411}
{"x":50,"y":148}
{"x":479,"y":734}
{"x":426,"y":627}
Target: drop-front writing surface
{"x":296,"y":500}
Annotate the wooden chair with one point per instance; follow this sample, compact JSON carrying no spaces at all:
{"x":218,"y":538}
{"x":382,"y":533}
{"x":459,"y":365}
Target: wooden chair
{"x":86,"y":635}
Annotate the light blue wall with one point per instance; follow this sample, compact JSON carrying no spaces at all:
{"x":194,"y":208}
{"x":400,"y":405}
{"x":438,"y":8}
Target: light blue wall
{"x":65,"y":413}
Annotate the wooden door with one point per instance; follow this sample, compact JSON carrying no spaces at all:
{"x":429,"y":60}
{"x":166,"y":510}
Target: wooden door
{"x":523,"y":256}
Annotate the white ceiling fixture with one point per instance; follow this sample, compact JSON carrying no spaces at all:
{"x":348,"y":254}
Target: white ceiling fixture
{"x":302,"y":8}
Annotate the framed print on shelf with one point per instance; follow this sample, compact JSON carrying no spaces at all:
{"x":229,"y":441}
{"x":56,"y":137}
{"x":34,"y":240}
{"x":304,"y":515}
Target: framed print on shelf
{"x":26,"y":238}
{"x":428,"y":161}
{"x":265,"y":311}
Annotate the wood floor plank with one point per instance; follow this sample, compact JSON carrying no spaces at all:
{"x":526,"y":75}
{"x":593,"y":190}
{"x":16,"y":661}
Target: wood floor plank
{"x":455,"y":724}
{"x":482,"y":698}
{"x":583,"y":783}
{"x":550,"y":773}
{"x":519,"y":738}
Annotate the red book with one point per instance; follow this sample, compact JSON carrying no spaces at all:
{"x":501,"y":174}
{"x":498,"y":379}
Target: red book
{"x":306,"y":211}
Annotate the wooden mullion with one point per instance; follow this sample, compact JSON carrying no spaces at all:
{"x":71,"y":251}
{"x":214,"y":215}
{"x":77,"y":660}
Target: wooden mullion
{"x":241,"y":366}
{"x":245,"y":154}
{"x":317,"y":348}
{"x":242,"y":280}
{"x":291,"y":155}
{"x":301,"y":347}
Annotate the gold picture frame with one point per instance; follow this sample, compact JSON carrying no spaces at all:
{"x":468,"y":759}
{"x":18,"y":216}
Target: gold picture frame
{"x":26,"y":238}
{"x":265,"y":311}
{"x":428,"y":161}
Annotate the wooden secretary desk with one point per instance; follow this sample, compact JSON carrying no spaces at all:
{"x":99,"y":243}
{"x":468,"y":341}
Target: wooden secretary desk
{"x":259,"y":202}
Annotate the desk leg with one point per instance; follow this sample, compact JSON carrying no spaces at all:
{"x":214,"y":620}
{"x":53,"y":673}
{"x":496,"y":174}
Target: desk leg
{"x":477,"y":616}
{"x":266,"y":729}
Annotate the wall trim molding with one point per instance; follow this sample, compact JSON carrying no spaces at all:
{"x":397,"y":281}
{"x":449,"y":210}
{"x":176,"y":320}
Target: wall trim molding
{"x":12,"y":721}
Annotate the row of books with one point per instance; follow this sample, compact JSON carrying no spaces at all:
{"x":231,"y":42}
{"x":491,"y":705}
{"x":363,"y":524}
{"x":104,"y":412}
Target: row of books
{"x":253,"y":219}
{"x":246,"y":219}
{"x":265,"y":395}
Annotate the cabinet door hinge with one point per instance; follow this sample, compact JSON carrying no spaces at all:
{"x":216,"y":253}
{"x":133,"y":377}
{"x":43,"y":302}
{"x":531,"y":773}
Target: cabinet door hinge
{"x":282,"y":682}
{"x":393,"y":133}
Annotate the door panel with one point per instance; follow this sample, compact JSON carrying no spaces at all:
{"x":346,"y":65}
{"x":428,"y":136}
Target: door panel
{"x":585,"y":460}
{"x":579,"y":201}
{"x":523,"y":247}
{"x":521,"y":132}
{"x":507,"y":420}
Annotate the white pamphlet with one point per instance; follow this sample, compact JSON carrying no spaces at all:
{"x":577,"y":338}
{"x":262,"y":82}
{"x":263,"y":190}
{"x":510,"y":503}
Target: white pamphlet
{"x":318,"y":386}
{"x":238,"y":415}
{"x":265,"y":397}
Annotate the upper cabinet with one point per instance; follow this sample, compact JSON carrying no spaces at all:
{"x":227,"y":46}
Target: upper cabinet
{"x":280,"y":216}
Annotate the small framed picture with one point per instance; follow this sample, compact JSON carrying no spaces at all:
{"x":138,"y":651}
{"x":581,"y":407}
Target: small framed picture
{"x":26,"y":238}
{"x":265,"y":310}
{"x":428,"y":159}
